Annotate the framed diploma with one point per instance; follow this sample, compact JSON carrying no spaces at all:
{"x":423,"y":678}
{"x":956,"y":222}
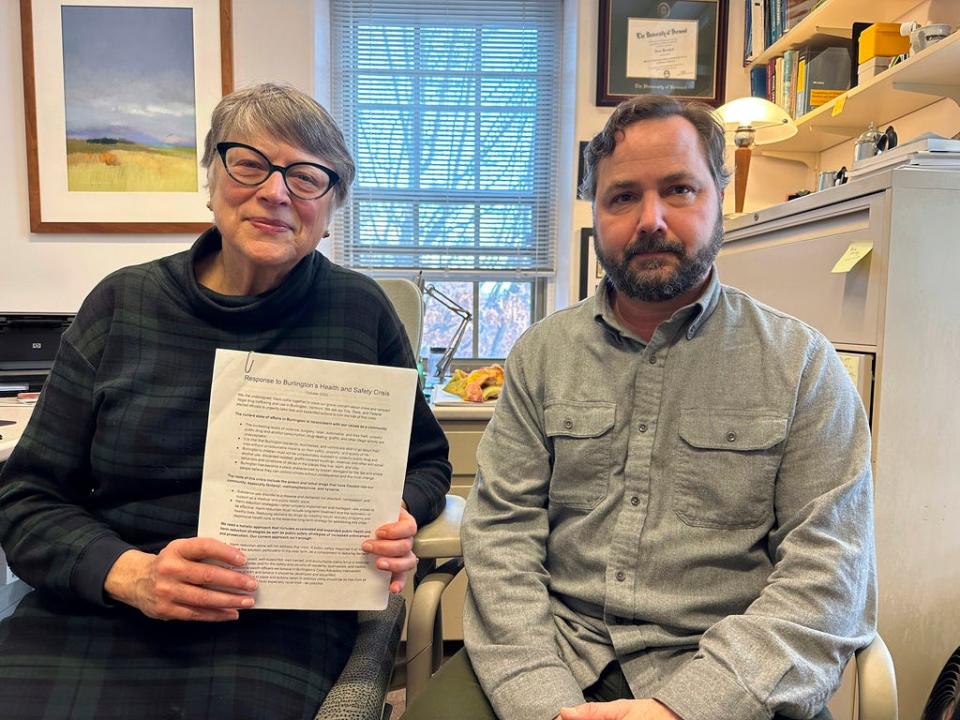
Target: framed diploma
{"x":663,"y":47}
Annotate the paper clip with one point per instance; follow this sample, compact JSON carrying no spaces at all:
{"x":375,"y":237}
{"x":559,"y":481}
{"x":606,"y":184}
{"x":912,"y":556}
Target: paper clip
{"x":249,"y":365}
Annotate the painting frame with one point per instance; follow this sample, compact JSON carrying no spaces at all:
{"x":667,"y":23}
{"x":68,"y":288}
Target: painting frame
{"x":591,"y":272}
{"x":53,"y":208}
{"x":660,"y":43}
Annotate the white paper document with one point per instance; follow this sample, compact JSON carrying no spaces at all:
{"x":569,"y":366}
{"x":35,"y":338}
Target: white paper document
{"x":304,"y":459}
{"x":662,"y":49}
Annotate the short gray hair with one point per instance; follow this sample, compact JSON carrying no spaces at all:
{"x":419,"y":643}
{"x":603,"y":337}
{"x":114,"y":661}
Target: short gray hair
{"x":653,"y":107}
{"x":288,"y":115}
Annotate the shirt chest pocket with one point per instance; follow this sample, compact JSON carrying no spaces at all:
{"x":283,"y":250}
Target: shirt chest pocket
{"x":580,"y":433}
{"x":726,"y":467}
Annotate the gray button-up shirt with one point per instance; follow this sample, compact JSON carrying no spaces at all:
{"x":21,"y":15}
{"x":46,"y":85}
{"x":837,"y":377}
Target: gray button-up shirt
{"x":698,"y":508}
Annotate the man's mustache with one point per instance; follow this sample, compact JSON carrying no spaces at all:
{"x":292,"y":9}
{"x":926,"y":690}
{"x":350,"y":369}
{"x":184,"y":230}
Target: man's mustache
{"x":650,"y":244}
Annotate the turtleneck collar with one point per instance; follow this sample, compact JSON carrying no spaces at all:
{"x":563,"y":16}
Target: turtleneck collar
{"x":264,"y":310}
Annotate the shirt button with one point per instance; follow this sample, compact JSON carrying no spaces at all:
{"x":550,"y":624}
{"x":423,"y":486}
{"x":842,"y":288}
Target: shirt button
{"x":634,"y":501}
{"x":567,"y":424}
{"x":642,"y":427}
{"x":621,"y":576}
{"x":653,"y":359}
{"x":731,"y":437}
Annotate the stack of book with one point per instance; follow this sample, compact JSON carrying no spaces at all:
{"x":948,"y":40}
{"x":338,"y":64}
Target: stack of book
{"x":927,"y":151}
{"x":803,"y":79}
{"x":767,"y":20}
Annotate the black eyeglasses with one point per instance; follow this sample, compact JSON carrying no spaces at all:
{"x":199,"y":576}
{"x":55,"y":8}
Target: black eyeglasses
{"x":248,"y":166}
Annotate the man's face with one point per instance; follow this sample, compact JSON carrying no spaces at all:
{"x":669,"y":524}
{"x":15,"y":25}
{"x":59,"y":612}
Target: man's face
{"x":656,"y":213}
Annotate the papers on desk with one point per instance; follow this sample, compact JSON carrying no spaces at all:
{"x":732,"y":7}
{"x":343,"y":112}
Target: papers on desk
{"x":304,"y":459}
{"x":926,"y":151}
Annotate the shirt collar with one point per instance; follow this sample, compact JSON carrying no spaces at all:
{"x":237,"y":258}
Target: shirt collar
{"x":695,"y":314}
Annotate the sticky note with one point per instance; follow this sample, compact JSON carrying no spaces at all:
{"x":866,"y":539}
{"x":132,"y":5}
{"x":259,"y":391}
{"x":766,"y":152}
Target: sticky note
{"x":851,"y":364}
{"x":856,"y":251}
{"x":838,"y":106}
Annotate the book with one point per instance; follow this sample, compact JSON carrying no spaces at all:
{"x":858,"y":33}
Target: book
{"x":786,"y":83}
{"x":796,"y":11}
{"x":789,"y":81}
{"x":758,"y":82}
{"x":757,"y":22}
{"x":778,"y":88}
{"x":771,"y":78}
{"x":800,"y":95}
{"x":827,"y":75}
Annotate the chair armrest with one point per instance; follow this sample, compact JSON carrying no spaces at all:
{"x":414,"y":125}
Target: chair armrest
{"x":441,"y":538}
{"x":359,"y":692}
{"x":876,"y":682}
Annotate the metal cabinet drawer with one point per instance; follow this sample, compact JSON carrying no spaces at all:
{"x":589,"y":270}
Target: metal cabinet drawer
{"x":787,"y":263}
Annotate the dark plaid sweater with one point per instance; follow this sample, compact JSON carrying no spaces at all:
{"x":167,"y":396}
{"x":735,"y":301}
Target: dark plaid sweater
{"x":113,"y":454}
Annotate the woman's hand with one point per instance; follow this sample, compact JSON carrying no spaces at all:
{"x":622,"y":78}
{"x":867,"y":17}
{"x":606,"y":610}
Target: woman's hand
{"x":393,"y":547}
{"x":176,"y":584}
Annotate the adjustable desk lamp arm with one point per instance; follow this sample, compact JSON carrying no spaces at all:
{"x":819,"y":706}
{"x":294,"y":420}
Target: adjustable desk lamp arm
{"x":465,"y":317}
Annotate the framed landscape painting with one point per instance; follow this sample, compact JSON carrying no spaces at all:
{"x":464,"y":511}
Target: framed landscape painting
{"x":118,"y":96}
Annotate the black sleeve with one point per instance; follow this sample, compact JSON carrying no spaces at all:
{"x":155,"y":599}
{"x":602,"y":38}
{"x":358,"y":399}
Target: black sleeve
{"x":52,"y":541}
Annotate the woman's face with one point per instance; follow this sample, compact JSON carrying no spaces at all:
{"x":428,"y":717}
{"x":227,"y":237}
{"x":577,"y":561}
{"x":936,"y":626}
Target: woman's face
{"x":266,"y":230}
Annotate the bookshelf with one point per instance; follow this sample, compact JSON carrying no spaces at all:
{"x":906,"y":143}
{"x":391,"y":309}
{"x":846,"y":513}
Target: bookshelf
{"x":911,"y":85}
{"x":832,"y":19}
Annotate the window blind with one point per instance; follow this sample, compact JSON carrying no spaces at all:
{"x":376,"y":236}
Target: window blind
{"x":450,"y":109}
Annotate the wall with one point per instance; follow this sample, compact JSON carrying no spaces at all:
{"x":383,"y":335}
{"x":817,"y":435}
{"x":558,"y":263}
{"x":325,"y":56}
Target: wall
{"x":44,"y":272}
{"x":589,"y":120}
{"x":53,"y":272}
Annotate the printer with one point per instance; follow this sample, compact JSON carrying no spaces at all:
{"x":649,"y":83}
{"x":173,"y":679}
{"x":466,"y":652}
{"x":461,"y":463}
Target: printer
{"x":28,"y":345}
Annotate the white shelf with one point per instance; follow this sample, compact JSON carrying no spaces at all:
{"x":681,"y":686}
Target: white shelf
{"x":832,"y":18}
{"x":911,"y":85}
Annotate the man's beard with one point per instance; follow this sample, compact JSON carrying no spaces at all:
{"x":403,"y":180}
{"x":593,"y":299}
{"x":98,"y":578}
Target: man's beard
{"x":648,"y":286}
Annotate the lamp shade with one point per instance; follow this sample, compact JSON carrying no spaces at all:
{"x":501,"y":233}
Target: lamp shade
{"x":770,"y":122}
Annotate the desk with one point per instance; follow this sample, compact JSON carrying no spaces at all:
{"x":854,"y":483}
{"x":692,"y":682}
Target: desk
{"x":463,"y":426}
{"x":11,"y":409}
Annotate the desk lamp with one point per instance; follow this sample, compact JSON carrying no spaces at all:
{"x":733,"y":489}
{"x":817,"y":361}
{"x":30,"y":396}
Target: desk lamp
{"x":752,"y":121}
{"x":457,"y":309}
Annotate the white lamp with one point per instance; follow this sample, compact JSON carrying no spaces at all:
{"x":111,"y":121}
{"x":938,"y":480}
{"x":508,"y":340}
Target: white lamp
{"x":752,"y":121}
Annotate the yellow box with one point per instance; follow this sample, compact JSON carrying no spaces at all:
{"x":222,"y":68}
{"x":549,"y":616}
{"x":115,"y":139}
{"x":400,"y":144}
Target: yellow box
{"x":881,"y":39}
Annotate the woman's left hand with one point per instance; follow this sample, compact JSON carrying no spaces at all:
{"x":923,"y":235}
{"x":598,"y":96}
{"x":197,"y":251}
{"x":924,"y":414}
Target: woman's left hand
{"x":393,"y":547}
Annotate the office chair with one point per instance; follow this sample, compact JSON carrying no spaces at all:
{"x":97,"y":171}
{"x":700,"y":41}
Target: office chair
{"x":433,"y":543}
{"x":359,"y":692}
{"x":876,"y":682}
{"x":406,"y":299}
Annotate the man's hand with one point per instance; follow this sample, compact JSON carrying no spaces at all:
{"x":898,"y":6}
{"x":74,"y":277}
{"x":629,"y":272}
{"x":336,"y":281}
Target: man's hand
{"x":176,"y":583}
{"x":619,"y":710}
{"x":393,"y":547}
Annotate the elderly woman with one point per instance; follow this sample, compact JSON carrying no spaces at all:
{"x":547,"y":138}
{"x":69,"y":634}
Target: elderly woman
{"x":99,"y":501}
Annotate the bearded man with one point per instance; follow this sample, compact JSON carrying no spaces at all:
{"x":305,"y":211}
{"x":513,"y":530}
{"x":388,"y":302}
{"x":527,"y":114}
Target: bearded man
{"x":672,"y":516}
